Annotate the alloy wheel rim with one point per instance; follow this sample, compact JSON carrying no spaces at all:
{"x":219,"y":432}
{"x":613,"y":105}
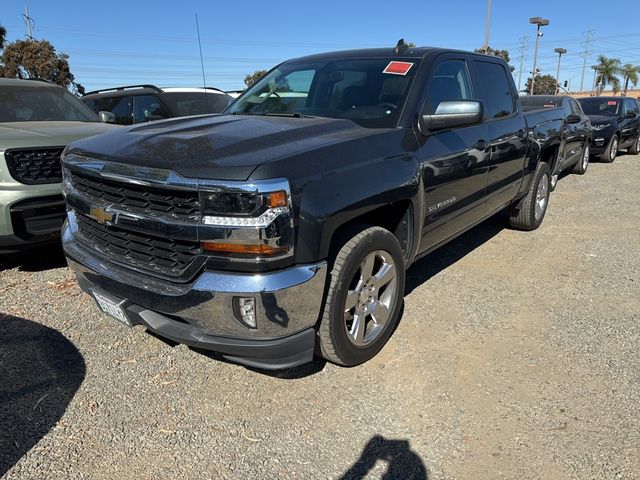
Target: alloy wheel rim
{"x":585,"y":158}
{"x":614,"y":148}
{"x":541,"y":197}
{"x":554,"y":180}
{"x":370,"y":297}
{"x":638,"y":145}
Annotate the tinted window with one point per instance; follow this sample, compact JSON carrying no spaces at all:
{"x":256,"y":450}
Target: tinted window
{"x":146,"y":108}
{"x":630,"y":105}
{"x":184,"y":104}
{"x":450,"y":82}
{"x":37,"y":104}
{"x":121,"y":107}
{"x":567,"y":107}
{"x":537,"y":102}
{"x":575,"y":108}
{"x":495,"y":89}
{"x":370,"y":91}
{"x":599,"y":106}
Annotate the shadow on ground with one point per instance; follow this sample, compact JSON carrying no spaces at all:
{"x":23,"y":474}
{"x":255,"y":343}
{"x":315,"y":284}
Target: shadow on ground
{"x":448,"y":254}
{"x":35,"y":259}
{"x":40,"y":372}
{"x":402,"y":462}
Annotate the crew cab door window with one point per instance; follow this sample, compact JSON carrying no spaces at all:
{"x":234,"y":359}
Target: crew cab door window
{"x":450,"y":81}
{"x":495,"y":90}
{"x":146,"y":108}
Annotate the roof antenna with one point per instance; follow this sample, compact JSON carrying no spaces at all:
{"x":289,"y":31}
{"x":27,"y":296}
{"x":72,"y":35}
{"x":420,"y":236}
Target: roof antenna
{"x":204,"y":82}
{"x":401,"y":47}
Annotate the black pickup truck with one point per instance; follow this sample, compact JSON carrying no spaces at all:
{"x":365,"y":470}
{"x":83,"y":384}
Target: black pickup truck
{"x":284,"y":226}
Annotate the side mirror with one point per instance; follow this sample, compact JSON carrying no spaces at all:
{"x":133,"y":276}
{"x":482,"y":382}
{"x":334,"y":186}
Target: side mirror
{"x":457,"y":113}
{"x":573,"y":118}
{"x":107,"y":117}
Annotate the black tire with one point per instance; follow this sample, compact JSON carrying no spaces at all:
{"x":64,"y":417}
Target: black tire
{"x":523,"y":216}
{"x":611,"y":152}
{"x":635,"y":148}
{"x":580,"y":168}
{"x":334,"y":341}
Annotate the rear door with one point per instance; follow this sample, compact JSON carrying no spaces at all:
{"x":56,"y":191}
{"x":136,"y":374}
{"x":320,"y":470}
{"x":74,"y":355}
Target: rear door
{"x":629,"y":125}
{"x":573,"y":135}
{"x":455,"y":162}
{"x":506,"y":130}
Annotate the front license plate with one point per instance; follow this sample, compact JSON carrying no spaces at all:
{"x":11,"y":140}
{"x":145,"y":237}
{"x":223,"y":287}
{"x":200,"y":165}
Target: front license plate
{"x":112,"y":308}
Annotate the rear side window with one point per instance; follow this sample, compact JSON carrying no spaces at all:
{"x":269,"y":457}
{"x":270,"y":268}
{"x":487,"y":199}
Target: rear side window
{"x":495,"y":90}
{"x":630,"y":105}
{"x":146,"y":108}
{"x":184,"y":104}
{"x":450,"y":82}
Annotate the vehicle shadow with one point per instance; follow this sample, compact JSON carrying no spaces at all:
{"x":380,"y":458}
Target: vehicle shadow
{"x":40,"y":372}
{"x":35,"y":260}
{"x":448,"y":254}
{"x":402,"y":461}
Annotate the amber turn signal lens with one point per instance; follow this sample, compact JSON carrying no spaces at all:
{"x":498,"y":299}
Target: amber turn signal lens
{"x":277,"y":199}
{"x":259,"y":249}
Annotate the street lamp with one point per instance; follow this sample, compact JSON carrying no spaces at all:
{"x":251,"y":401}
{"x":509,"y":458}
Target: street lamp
{"x":560,"y":52}
{"x":540,"y":22}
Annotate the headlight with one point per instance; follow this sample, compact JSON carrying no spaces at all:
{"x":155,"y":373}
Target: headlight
{"x":247,"y":221}
{"x":601,"y":126}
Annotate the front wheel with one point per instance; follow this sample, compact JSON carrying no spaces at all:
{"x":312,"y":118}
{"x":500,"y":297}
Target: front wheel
{"x":611,"y":152}
{"x":635,"y":148}
{"x":364,"y":297}
{"x":580,"y":168}
{"x":529,"y":213}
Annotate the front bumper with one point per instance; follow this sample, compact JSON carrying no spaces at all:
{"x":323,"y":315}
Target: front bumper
{"x":30,"y":215}
{"x":201,"y":313}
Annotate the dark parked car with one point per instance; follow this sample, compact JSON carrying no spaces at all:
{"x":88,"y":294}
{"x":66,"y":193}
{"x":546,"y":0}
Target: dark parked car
{"x":576,"y":133}
{"x":616,"y":125}
{"x":143,"y":103}
{"x":284,"y":227}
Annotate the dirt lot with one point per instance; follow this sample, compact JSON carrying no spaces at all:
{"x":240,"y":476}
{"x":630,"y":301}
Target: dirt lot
{"x":518,"y":357}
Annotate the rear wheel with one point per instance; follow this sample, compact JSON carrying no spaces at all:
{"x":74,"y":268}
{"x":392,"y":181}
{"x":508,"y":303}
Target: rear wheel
{"x":364,"y":298}
{"x":580,"y":168}
{"x":611,"y":152}
{"x":635,"y":148}
{"x":529,"y":213}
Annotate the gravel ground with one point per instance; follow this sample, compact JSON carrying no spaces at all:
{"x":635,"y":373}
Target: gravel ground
{"x":517,"y":358}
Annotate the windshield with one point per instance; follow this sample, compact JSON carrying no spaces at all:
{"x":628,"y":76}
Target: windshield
{"x":41,"y":104}
{"x":183,"y":104}
{"x":371,"y":92}
{"x":599,"y":106}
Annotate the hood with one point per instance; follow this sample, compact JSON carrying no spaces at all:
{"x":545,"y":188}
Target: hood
{"x":47,"y":134}
{"x":599,"y":119}
{"x":224,"y":147}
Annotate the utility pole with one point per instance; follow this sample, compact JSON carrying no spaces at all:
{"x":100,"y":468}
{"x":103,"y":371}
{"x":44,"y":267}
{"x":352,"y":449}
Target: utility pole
{"x":595,"y":75}
{"x":586,"y":43}
{"x":539,"y":22}
{"x":486,"y":34}
{"x":560,"y":52}
{"x":28,"y":21}
{"x":522,"y":58}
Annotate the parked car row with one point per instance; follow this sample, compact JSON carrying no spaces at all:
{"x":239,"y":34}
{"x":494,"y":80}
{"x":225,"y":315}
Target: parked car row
{"x":283,"y":227}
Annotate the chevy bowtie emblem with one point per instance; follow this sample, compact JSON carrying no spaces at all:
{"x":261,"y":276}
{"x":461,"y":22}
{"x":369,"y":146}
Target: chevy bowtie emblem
{"x":99,"y":214}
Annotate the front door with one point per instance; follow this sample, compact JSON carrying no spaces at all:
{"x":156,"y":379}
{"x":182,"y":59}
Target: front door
{"x":455,"y":162}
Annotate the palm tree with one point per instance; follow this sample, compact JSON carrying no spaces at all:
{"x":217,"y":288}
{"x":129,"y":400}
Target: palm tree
{"x":630,"y":74}
{"x":608,"y":70}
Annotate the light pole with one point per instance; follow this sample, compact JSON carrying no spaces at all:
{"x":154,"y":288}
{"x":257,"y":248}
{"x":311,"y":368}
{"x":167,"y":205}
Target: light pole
{"x":540,"y":22}
{"x":560,"y":52}
{"x":486,"y":34}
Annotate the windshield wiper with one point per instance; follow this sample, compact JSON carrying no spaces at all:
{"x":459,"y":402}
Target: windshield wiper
{"x":287,"y":114}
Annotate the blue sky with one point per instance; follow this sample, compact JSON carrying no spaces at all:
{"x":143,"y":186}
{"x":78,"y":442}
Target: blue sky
{"x":117,"y":42}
